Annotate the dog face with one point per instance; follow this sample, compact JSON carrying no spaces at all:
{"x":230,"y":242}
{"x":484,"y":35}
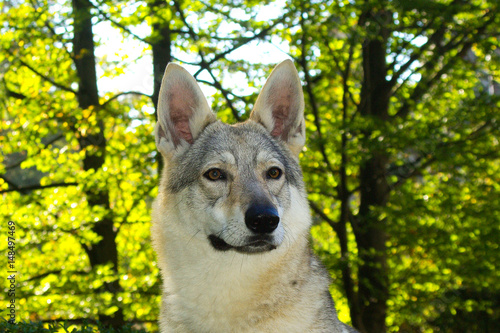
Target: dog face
{"x":236,"y":192}
{"x":233,"y":184}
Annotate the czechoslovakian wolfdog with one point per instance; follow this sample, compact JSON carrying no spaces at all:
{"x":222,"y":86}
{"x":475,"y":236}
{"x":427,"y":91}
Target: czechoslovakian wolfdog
{"x":231,"y":220}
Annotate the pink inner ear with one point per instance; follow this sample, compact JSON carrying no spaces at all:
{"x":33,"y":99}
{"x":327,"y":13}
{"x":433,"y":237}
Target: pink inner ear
{"x":180,"y":119}
{"x":180,"y":102}
{"x":280,"y":116}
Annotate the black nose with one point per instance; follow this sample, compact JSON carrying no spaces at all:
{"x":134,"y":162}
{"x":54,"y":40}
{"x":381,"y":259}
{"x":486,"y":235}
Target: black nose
{"x":262,"y":219}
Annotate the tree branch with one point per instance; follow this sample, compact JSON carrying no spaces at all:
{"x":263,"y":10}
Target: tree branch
{"x":206,"y":65}
{"x":35,"y":187}
{"x":415,"y":168}
{"x":46,"y":78}
{"x":119,"y":25}
{"x":59,"y":271}
{"x":435,"y":39}
{"x":425,"y":83}
{"x":51,"y":141}
{"x":323,"y":216}
{"x":312,"y":99}
{"x":122,"y":94}
{"x":336,"y":61}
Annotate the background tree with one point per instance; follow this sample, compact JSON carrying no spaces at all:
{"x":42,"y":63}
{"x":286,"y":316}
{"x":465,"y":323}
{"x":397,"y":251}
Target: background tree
{"x":396,"y":103}
{"x":401,"y":163}
{"x":78,"y":174}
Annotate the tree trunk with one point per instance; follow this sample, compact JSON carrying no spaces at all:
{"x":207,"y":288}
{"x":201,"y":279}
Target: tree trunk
{"x":345,"y":212}
{"x":370,"y":230}
{"x":160,"y":43}
{"x":371,"y":237}
{"x":94,"y":143}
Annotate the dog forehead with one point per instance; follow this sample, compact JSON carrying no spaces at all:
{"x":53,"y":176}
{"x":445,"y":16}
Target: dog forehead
{"x":243,"y":142}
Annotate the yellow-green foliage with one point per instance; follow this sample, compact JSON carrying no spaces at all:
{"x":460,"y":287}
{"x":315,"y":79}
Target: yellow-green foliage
{"x":442,"y":219}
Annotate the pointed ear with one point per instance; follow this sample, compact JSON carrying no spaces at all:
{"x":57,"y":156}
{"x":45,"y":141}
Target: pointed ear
{"x":280,"y":106}
{"x":183,"y":111}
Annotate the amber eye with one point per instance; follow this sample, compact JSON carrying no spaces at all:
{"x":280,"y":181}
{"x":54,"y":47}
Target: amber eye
{"x":274,"y":173}
{"x":214,"y":174}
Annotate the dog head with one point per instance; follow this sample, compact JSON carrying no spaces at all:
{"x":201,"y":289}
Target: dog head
{"x":237,"y":187}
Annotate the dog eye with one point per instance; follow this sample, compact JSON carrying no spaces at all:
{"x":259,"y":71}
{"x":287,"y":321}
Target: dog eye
{"x":214,"y":174}
{"x":274,"y":173}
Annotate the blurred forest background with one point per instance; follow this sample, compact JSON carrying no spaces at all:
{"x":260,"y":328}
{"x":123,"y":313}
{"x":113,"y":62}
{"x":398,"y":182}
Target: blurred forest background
{"x":402,"y":161}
